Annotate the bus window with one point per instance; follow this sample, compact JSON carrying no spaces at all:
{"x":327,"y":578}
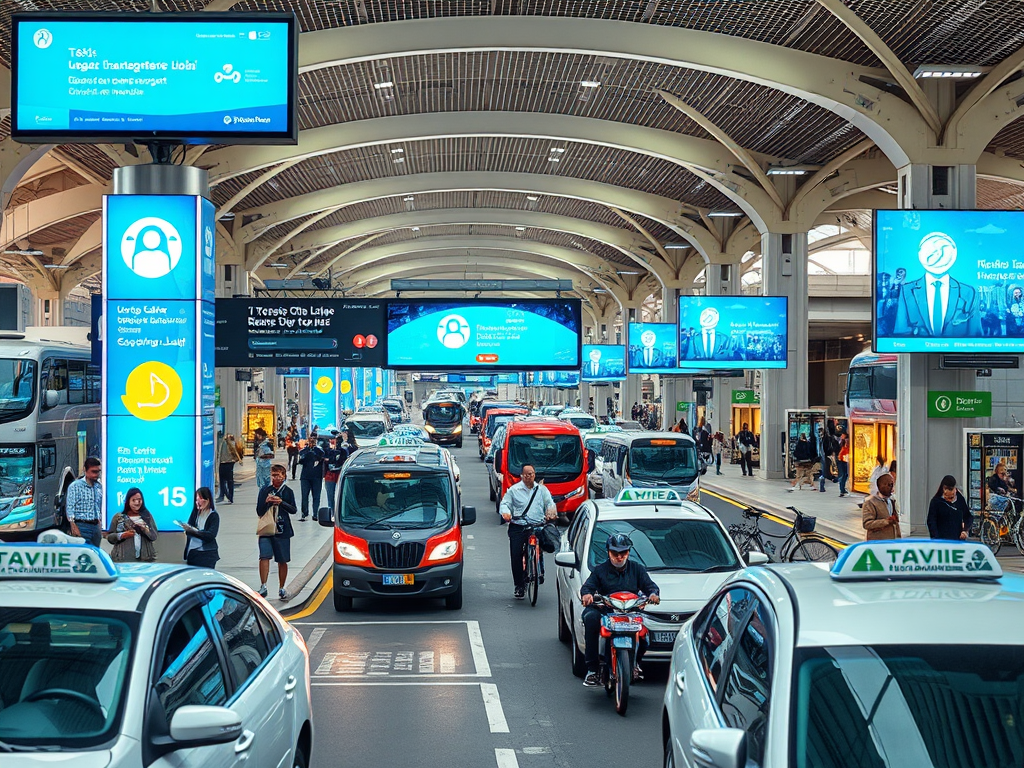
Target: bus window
{"x":16,"y":383}
{"x":55,"y":378}
{"x":92,"y":384}
{"x":76,"y":382}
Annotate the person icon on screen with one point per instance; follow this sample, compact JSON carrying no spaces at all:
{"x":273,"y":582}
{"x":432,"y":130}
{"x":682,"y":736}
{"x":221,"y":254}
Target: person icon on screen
{"x":646,"y":356}
{"x":151,"y":247}
{"x":710,"y":344}
{"x":594,"y":367}
{"x":937,"y":304}
{"x":453,"y":331}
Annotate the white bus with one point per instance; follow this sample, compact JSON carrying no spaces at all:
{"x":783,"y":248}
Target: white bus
{"x":49,"y":424}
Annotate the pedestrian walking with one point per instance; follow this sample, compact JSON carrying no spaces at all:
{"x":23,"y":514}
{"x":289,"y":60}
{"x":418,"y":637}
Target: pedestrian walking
{"x":291,"y":445}
{"x":334,"y":460}
{"x":202,"y":529}
{"x":745,"y":445}
{"x":949,"y":517}
{"x":228,"y":455}
{"x":133,"y":531}
{"x":823,"y":457}
{"x":681,"y":426}
{"x":803,"y":461}
{"x":311,"y":474}
{"x":843,"y":461}
{"x":880,"y":516}
{"x":717,"y":446}
{"x":277,"y":500}
{"x":263,"y":452}
{"x":84,"y":504}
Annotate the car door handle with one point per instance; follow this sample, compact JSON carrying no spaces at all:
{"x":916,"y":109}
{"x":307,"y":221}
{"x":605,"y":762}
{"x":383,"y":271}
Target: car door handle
{"x":243,"y":743}
{"x":680,"y":680}
{"x":290,"y":685}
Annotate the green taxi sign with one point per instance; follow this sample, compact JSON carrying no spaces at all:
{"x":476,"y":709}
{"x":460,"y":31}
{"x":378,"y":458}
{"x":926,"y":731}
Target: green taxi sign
{"x":628,"y":496}
{"x":390,"y":440}
{"x":916,"y":559}
{"x":64,"y":562}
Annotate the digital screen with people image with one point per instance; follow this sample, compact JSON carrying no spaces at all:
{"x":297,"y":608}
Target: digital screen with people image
{"x":442,"y":335}
{"x":949,"y":281}
{"x":729,"y":332}
{"x":604,"y":362}
{"x":652,"y":348}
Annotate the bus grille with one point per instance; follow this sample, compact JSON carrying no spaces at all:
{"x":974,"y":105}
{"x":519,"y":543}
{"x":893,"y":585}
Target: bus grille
{"x":406,"y":555}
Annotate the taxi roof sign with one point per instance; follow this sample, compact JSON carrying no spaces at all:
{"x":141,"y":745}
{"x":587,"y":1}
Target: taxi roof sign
{"x":64,"y":562}
{"x":399,"y":440}
{"x":916,"y":559}
{"x":637,"y":496}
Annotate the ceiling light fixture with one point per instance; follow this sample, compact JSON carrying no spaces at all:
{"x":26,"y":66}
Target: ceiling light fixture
{"x":385,"y":84}
{"x":676,"y":246}
{"x":790,"y":170}
{"x":277,"y":265}
{"x":31,"y":252}
{"x":397,"y":150}
{"x":520,"y":229}
{"x":948,"y":72}
{"x":56,"y":266}
{"x":532,"y":198}
{"x":415,"y":229}
{"x":554,"y":159}
{"x":399,"y":160}
{"x":408,"y":199}
{"x":590,"y":83}
{"x":626,"y":272}
{"x":557,"y":150}
{"x":724,"y":214}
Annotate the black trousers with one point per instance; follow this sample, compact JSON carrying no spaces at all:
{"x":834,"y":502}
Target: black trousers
{"x":518,"y":536}
{"x":307,"y":487}
{"x":226,"y":472}
{"x":591,"y":636}
{"x":747,"y":462}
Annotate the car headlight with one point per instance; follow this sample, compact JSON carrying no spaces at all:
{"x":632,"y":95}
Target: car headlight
{"x":429,"y":428}
{"x":574,"y":494}
{"x":348,"y":552}
{"x":457,"y":429}
{"x":444,"y":550}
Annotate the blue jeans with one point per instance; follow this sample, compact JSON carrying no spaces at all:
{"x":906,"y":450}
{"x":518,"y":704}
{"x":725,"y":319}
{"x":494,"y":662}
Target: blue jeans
{"x":262,"y":477}
{"x":844,"y":474}
{"x":90,"y":532}
{"x":718,"y":463}
{"x":824,"y":471}
{"x":330,"y":486}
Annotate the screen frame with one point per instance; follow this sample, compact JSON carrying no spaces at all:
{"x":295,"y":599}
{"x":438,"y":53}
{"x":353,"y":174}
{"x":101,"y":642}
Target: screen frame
{"x":710,"y":367}
{"x":674,"y":370}
{"x":584,"y":379}
{"x":289,"y":136}
{"x":501,"y":368}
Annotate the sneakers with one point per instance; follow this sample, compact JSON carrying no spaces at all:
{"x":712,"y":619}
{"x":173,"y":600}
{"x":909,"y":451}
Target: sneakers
{"x":843,"y":494}
{"x":304,"y":518}
{"x":638,"y":674}
{"x":540,"y":579}
{"x":282,"y":594}
{"x":591,"y":681}
{"x":791,"y":489}
{"x":520,"y":593}
{"x":263,"y":590}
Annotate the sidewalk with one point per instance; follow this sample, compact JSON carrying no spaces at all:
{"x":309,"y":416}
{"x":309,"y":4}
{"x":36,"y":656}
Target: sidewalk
{"x":239,"y":550}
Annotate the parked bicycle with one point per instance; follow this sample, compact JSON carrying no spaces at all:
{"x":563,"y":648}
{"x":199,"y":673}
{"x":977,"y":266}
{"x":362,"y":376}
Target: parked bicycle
{"x":800,"y":544}
{"x":995,"y":527}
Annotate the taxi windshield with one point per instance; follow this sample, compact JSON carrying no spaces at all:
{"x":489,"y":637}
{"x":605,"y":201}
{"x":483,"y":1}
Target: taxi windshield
{"x":369,"y":428}
{"x":395,"y":499}
{"x":692,"y":546}
{"x":581,"y":421}
{"x":63,"y":675}
{"x":665,"y":464}
{"x":557,"y":458}
{"x":908,"y":705}
{"x":494,"y":422}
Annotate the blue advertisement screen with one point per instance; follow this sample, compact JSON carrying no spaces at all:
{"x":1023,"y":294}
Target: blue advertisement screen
{"x":90,"y":76}
{"x":446,"y":335}
{"x":652,"y":348}
{"x":949,"y":281}
{"x":323,"y":388}
{"x":558,"y":379}
{"x":603,"y":362}
{"x":729,"y":332}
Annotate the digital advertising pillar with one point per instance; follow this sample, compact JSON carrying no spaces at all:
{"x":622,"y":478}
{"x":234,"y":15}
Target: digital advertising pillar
{"x":158,"y":366}
{"x":323,"y":394}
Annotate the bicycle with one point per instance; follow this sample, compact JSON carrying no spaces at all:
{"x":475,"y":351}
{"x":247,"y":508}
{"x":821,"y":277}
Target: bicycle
{"x":800,"y":544}
{"x":532,"y":562}
{"x":995,"y":527}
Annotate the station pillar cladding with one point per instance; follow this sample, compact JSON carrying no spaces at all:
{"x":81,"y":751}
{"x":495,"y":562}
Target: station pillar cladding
{"x":784,"y":264}
{"x":158,"y":332}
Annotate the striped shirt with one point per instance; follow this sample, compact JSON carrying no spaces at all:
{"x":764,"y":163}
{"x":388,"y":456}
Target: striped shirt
{"x":85,"y":502}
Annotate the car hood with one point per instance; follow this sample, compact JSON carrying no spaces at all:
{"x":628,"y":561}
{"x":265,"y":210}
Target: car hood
{"x":686,"y":592}
{"x":91,"y":759}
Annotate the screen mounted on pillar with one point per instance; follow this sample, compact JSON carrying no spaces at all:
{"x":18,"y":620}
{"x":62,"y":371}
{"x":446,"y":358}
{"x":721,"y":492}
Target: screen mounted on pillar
{"x":226,"y":78}
{"x":653,"y":348}
{"x":444,"y":334}
{"x":948,"y":281}
{"x":731,"y":332}
{"x":603,"y":362}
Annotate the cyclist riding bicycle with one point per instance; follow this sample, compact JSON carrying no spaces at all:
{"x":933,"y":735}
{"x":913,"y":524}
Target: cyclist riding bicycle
{"x":999,"y":488}
{"x":525,"y":505}
{"x":616,"y":574}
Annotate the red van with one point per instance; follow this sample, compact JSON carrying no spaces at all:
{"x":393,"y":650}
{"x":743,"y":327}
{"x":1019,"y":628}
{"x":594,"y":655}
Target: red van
{"x":493,"y":419}
{"x":555,"y":449}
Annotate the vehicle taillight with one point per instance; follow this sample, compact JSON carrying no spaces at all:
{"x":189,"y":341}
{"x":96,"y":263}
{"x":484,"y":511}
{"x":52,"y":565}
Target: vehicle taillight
{"x":350,"y":549}
{"x":443,"y":548}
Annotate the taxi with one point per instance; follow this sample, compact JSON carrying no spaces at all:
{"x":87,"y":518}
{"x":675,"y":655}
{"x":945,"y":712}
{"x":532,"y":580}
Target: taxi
{"x":683,"y":545}
{"x":903,"y":653}
{"x":144,"y":664}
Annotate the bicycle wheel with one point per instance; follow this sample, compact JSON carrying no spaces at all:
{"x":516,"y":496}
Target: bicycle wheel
{"x":1017,"y":534}
{"x":989,"y":535}
{"x":532,"y":571}
{"x":813,"y":551}
{"x":745,"y":541}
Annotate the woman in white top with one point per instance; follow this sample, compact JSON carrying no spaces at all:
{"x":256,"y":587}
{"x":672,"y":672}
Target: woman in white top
{"x":876,"y":473}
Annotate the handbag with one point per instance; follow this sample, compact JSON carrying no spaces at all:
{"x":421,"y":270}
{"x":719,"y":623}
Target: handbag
{"x":266,"y":524}
{"x":549,"y":538}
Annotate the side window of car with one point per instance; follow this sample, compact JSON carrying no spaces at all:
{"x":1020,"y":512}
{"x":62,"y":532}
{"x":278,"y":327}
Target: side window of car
{"x":270,"y":630}
{"x":746,"y":692}
{"x":574,"y":528}
{"x":720,"y":631}
{"x":244,"y":644}
{"x":190,"y":670}
{"x":620,"y":460}
{"x":580,"y":544}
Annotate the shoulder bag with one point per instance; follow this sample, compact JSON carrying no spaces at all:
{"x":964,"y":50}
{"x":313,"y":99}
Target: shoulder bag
{"x":266,"y":524}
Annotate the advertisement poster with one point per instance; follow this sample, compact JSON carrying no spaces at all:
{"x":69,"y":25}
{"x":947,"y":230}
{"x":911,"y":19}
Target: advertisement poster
{"x":259,"y":416}
{"x":346,"y":393}
{"x":724,"y":332}
{"x":949,"y":281}
{"x":603,"y":362}
{"x":985,"y":450}
{"x":323,"y":393}
{"x":653,"y":348}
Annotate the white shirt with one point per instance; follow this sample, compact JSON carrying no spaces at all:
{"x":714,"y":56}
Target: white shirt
{"x":930,"y":281}
{"x":518,"y":496}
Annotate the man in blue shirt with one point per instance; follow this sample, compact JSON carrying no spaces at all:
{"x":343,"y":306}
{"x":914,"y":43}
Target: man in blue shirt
{"x":84,"y":504}
{"x":525,"y":504}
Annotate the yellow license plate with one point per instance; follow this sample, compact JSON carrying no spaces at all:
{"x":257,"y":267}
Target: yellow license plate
{"x":395,"y":579}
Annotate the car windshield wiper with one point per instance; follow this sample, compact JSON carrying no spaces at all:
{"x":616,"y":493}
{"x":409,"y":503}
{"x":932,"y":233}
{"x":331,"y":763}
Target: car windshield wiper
{"x":384,"y":519}
{"x":718,"y":569}
{"x":6,"y":747}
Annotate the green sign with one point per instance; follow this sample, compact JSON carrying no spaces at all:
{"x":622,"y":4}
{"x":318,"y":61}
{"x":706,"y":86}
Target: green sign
{"x":681,"y":406}
{"x":959,"y":405}
{"x":745,"y":397}
{"x":647,"y":496}
{"x":216,"y":394}
{"x":920,"y":560}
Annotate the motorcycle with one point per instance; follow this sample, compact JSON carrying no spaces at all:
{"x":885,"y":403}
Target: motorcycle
{"x":622,"y":629}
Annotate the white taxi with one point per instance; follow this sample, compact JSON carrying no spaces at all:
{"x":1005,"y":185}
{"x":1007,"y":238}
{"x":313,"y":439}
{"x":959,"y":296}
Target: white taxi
{"x":683,"y":545}
{"x":144,"y":665}
{"x":904,"y":653}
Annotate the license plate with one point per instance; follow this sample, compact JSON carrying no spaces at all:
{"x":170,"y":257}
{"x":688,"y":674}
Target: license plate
{"x":664,"y":637}
{"x":622,"y":626}
{"x":395,"y":579}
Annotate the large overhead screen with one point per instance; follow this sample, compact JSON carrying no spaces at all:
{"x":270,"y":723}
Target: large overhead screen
{"x":299,"y":333}
{"x":948,"y":281}
{"x":441,"y":334}
{"x":198,"y":78}
{"x":603,"y":362}
{"x":729,"y":332}
{"x":652,"y":348}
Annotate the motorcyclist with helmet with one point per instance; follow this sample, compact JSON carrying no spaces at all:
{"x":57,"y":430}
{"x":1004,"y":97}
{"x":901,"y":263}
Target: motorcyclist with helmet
{"x":616,"y":574}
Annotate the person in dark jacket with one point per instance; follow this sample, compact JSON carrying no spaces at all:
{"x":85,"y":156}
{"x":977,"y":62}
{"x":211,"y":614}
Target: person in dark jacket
{"x":616,"y":574}
{"x":311,"y":476}
{"x":803,"y":462}
{"x":949,"y":517}
{"x":278,"y":546}
{"x":202,"y":529}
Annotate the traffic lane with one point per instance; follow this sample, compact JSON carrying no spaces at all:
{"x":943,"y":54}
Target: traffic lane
{"x":552,"y":719}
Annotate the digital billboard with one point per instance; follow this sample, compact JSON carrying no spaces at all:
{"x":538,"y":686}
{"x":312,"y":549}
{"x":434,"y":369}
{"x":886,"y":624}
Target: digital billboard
{"x":652,"y":348}
{"x":948,"y":281}
{"x":557,"y":379}
{"x":603,"y":362}
{"x":729,"y":332}
{"x":441,"y":334}
{"x":201,"y":78}
{"x":299,"y":332}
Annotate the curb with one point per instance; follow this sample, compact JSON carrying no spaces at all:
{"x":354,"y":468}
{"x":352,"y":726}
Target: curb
{"x":309,"y":571}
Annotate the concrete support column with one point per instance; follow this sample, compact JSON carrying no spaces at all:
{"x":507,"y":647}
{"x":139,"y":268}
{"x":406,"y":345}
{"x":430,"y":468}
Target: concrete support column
{"x":784,"y":269}
{"x":673,"y":388}
{"x":630,"y":391}
{"x":927,"y":448}
{"x":49,"y":307}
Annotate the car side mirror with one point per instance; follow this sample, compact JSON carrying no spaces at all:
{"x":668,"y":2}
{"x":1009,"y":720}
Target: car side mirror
{"x":719,"y":747}
{"x":566,"y":559}
{"x":325,"y":518}
{"x":196,"y":725}
{"x":756,"y":558}
{"x":489,"y":459}
{"x":497,"y":457}
{"x":591,"y":458}
{"x":52,"y":398}
{"x":468,"y":515}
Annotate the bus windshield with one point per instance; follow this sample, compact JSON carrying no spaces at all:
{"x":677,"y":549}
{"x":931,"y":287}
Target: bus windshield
{"x":16,"y":474}
{"x":557,"y":458}
{"x":669,"y":464}
{"x":443,"y":414}
{"x":875,"y":382}
{"x":17,"y":385}
{"x":403,"y":500}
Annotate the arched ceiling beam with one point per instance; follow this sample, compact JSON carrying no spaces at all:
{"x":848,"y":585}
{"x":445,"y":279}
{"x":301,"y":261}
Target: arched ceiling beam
{"x":248,"y":189}
{"x":321,"y":249}
{"x":90,"y":241}
{"x":858,"y":175}
{"x":835,"y":85}
{"x":22,"y":221}
{"x":831,"y":167}
{"x":980,"y":92}
{"x":256,"y":261}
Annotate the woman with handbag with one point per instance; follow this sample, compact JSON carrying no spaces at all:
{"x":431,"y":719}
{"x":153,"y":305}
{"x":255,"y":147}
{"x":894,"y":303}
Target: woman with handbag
{"x":275,"y":504}
{"x":133,"y":531}
{"x":202,"y":529}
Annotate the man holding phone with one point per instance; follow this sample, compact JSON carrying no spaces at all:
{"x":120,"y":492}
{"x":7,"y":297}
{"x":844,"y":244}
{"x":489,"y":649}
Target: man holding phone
{"x":277,"y":546}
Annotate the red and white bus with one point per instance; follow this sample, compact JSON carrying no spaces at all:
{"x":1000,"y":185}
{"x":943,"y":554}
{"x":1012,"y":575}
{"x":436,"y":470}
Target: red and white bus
{"x":870,"y":414}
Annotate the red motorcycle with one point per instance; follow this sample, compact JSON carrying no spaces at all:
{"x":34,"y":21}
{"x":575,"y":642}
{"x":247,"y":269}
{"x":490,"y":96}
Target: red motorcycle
{"x":622,"y":629}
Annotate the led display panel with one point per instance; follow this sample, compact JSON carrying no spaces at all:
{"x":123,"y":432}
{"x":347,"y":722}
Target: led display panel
{"x":603,"y":362}
{"x":731,"y":332}
{"x":652,"y":348}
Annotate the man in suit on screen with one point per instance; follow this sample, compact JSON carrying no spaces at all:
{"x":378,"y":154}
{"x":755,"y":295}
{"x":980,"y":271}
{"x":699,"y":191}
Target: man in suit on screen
{"x":710,"y":343}
{"x":937,"y":304}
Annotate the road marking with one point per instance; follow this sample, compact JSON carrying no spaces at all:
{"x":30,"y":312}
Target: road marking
{"x":447,"y":663}
{"x":506,"y":758}
{"x":536,"y":750}
{"x":492,"y":703}
{"x":476,"y":643}
{"x":314,"y":638}
{"x":385,"y":683}
{"x":314,"y":605}
{"x":773,"y":518}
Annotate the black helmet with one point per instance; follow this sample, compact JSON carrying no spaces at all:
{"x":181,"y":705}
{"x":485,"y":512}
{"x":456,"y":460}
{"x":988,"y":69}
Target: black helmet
{"x":619,"y":542}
